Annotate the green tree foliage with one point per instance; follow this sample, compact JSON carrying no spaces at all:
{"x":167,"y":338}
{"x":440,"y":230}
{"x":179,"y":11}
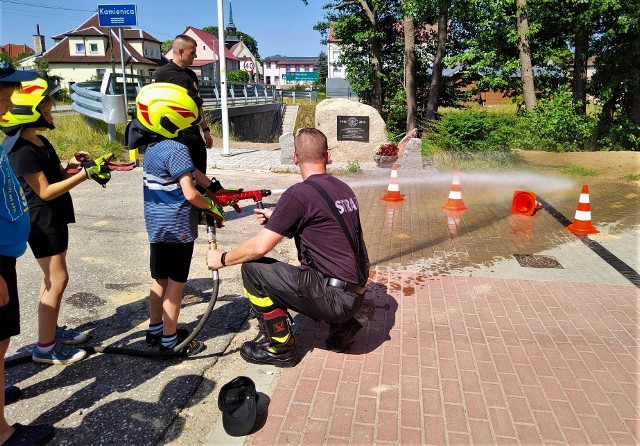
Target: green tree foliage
{"x":616,"y":82}
{"x":166,"y":45}
{"x":239,"y":76}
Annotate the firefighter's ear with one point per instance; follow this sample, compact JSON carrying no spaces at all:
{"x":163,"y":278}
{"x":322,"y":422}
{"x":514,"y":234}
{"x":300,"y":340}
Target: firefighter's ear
{"x":294,"y":157}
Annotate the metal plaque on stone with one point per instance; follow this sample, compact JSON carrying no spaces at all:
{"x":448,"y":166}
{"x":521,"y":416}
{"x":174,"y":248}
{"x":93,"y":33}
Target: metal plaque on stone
{"x":353,"y":128}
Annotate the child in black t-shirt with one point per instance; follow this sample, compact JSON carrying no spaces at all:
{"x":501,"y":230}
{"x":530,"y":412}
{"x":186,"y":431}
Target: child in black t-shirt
{"x":46,"y":185}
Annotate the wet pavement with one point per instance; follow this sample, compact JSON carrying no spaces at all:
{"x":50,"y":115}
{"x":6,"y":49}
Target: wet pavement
{"x":480,"y":328}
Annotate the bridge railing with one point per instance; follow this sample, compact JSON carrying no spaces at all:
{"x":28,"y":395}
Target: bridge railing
{"x":299,"y":94}
{"x":105,"y":100}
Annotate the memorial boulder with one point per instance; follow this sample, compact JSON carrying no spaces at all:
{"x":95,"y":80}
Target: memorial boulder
{"x":354,"y":130}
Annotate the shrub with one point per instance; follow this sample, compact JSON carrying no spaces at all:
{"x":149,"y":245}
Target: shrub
{"x":474,"y":130}
{"x":553,"y":125}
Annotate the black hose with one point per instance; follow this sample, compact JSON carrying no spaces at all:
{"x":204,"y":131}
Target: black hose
{"x":91,"y":349}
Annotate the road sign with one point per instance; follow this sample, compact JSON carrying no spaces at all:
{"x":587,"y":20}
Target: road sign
{"x":117,"y":15}
{"x":248,"y":65}
{"x":309,"y":76}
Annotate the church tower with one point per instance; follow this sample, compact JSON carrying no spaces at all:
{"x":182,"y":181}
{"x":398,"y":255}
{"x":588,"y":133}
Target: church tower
{"x":231,"y":38}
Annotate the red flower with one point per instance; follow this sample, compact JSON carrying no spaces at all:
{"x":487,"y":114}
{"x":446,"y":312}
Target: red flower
{"x":389,"y":149}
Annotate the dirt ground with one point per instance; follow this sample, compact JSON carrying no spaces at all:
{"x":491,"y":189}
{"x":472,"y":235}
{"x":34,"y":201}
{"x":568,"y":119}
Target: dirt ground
{"x":611,"y":165}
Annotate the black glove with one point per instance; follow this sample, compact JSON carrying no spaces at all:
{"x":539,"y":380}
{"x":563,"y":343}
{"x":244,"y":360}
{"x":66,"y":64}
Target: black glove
{"x":215,"y":185}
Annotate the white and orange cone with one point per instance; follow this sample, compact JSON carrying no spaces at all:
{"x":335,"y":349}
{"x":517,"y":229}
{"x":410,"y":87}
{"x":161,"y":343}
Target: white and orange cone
{"x":393,"y":190}
{"x":454,"y":203}
{"x":582,"y":221}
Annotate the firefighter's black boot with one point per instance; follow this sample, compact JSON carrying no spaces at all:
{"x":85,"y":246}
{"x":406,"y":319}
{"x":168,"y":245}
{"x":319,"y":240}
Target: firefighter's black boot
{"x":342,"y":335}
{"x":278,"y":347}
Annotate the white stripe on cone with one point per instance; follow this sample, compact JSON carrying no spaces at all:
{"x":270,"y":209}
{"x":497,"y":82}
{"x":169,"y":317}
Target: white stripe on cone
{"x":583,"y":215}
{"x":584,"y":198}
{"x":455,"y":195}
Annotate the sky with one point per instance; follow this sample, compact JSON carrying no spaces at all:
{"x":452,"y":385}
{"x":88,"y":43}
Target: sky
{"x":282,"y":27}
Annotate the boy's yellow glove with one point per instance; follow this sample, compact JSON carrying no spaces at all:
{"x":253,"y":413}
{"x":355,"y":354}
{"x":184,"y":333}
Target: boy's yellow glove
{"x":98,"y":170}
{"x":215,"y":211}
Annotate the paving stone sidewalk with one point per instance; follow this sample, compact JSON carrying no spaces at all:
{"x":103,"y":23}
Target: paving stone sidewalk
{"x":464,"y":345}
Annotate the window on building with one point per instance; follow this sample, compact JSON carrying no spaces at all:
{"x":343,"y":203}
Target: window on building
{"x":93,"y":48}
{"x":100,"y":72}
{"x":307,"y":68}
{"x":79,"y":48}
{"x":336,"y":55}
{"x":276,"y":79}
{"x":288,"y":67}
{"x":268,"y":80}
{"x":298,"y":68}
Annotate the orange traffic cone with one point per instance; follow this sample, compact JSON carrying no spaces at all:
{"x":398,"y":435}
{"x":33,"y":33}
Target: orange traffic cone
{"x":455,"y":195}
{"x":524,"y":203}
{"x":582,"y":222}
{"x":393,"y":191}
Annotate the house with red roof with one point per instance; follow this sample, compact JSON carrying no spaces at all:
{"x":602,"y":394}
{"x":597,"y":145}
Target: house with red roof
{"x":206,"y":63}
{"x":16,"y":49}
{"x":90,"y":50}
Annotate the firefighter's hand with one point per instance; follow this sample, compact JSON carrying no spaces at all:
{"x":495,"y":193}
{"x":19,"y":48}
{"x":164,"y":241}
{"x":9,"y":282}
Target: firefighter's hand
{"x":208,"y":140}
{"x":263,"y":215}
{"x":214,"y":258}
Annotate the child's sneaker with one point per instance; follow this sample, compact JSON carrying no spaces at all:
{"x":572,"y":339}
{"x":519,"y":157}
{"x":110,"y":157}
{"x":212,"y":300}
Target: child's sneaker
{"x":59,"y":354}
{"x":69,"y":337}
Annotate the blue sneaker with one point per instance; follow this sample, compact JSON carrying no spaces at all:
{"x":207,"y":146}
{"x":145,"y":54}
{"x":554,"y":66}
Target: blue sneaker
{"x":69,"y":337}
{"x":59,"y":354}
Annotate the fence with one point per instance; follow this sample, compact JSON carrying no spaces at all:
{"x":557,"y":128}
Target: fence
{"x":297,"y":94}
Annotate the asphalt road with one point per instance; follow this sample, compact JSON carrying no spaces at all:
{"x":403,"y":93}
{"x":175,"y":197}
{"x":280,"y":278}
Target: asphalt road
{"x":115,"y":399}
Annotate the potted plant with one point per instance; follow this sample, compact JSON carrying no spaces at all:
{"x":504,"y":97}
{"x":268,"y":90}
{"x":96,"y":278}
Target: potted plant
{"x":386,"y":154}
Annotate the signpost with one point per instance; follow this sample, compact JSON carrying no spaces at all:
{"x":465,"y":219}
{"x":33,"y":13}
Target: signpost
{"x":117,"y":16}
{"x":307,"y":76}
{"x":248,"y":66}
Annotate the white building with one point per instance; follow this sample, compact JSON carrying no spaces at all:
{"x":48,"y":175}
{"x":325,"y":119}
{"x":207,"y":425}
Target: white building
{"x":334,"y":68}
{"x":275,"y":68}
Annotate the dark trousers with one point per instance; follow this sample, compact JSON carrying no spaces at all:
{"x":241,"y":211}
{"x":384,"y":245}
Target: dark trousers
{"x":192,"y":138}
{"x":304,"y":291}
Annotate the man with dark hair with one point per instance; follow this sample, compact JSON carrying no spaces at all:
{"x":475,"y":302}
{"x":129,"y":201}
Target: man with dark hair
{"x":177,"y":72}
{"x":322,"y":215}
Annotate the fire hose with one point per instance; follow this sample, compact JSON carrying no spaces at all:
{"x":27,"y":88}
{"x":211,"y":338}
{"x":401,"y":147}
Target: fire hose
{"x":224,"y":197}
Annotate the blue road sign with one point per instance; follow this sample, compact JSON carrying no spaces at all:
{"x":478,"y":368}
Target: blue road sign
{"x":117,"y":15}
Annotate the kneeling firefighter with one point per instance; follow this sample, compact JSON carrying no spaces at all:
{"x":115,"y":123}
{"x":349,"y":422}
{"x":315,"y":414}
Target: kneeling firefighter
{"x":322,"y":215}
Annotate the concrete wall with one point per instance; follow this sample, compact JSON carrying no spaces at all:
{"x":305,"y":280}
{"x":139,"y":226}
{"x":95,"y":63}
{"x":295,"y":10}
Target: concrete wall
{"x":261,"y":123}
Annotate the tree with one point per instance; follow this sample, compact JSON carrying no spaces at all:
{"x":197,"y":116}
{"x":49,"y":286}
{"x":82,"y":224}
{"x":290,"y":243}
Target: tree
{"x":363,"y":26}
{"x":524,"y":53}
{"x":436,"y":72}
{"x":323,"y":71}
{"x":410,"y":67}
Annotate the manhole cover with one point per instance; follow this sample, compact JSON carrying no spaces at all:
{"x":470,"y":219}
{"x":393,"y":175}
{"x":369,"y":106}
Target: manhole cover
{"x":533,"y":261}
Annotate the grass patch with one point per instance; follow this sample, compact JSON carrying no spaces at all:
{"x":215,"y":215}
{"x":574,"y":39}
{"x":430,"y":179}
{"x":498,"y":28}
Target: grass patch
{"x":577,"y":171}
{"x":633,"y":177}
{"x":352,"y":167}
{"x":306,"y":113}
{"x":74,"y":132}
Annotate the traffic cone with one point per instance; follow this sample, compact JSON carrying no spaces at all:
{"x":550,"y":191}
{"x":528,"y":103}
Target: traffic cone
{"x":393,"y":191}
{"x":455,"y":195}
{"x":524,"y":203}
{"x":582,"y":221}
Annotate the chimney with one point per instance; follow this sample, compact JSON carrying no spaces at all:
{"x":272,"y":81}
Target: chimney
{"x":38,"y":42}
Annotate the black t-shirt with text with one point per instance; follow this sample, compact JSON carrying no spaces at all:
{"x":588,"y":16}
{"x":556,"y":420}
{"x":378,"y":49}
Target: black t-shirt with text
{"x":27,"y":158}
{"x":304,"y":214}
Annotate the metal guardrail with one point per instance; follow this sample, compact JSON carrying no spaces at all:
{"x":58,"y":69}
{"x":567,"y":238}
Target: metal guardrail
{"x":108,"y":108}
{"x":297,"y":94}
{"x":104,"y":100}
